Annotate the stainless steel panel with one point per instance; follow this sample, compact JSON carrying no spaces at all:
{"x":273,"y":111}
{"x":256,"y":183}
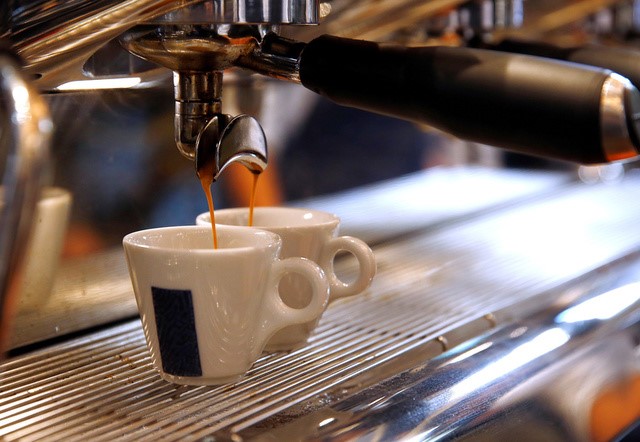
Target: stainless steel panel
{"x":561,"y":375}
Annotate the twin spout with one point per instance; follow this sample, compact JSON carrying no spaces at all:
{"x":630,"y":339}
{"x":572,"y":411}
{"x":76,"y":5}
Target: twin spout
{"x":198,"y":56}
{"x":226,"y":140}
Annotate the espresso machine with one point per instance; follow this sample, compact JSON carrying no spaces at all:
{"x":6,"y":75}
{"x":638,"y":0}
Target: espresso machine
{"x":506,"y":302}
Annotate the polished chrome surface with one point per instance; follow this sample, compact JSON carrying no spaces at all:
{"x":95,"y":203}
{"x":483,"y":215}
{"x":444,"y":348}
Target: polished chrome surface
{"x":616,"y":141}
{"x":435,"y":289}
{"x":57,"y":38}
{"x":24,"y":149}
{"x":199,"y":48}
{"x":198,"y":55}
{"x":277,"y":57}
{"x":198,"y":99}
{"x":295,"y":12}
{"x":242,"y":141}
{"x":227,"y":140}
{"x":550,"y":377}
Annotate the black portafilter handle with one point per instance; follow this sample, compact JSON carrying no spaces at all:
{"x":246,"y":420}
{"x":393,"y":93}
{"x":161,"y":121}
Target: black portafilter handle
{"x":527,"y":104}
{"x":624,"y":61}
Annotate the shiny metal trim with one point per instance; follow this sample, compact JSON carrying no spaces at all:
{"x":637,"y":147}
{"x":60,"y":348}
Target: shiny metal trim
{"x":535,"y":367}
{"x":296,"y":12}
{"x":56,"y":38}
{"x":276,"y":57}
{"x":613,"y":122}
{"x":24,"y":150}
{"x":242,"y":141}
{"x":57,"y":50}
{"x":198,"y":98}
{"x":225,"y":140}
{"x":376,"y":20}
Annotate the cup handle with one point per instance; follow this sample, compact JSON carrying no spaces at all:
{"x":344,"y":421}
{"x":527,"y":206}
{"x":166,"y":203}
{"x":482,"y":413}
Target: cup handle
{"x":276,"y":314}
{"x":366,"y":261}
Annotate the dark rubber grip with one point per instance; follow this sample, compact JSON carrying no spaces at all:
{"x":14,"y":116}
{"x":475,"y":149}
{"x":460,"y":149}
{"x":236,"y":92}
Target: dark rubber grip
{"x":522,"y":103}
{"x":623,"y":61}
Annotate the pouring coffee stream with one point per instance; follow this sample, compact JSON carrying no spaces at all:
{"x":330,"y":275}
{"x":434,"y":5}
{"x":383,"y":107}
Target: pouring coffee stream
{"x":224,"y":141}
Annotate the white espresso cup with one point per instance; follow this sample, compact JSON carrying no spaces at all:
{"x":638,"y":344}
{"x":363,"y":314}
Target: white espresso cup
{"x":207,"y":313}
{"x":45,"y":247}
{"x":311,"y":234}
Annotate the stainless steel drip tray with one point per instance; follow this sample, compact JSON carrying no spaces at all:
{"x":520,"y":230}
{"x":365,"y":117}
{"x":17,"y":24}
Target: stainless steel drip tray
{"x":433,"y":290}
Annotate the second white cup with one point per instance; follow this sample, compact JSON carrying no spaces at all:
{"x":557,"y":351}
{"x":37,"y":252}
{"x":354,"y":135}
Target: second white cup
{"x":45,"y":247}
{"x":311,"y":234}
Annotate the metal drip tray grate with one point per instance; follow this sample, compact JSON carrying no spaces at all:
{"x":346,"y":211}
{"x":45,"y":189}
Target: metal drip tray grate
{"x":104,"y":387}
{"x":432,"y":290}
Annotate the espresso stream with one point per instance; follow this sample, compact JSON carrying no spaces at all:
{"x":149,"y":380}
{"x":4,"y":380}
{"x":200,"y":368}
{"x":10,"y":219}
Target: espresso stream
{"x":253,"y":197}
{"x":206,"y":173}
{"x":206,"y":180}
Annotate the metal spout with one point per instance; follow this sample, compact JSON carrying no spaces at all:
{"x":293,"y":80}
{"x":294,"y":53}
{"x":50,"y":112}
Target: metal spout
{"x":240,"y":140}
{"x":198,"y":99}
{"x":198,"y":56}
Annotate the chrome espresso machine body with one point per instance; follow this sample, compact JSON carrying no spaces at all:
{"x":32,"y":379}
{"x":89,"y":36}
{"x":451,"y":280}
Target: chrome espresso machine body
{"x":507,"y":301}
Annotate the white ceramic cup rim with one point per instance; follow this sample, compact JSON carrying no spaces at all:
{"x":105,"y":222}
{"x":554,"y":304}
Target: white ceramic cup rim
{"x":250,"y":239}
{"x":275,"y":217}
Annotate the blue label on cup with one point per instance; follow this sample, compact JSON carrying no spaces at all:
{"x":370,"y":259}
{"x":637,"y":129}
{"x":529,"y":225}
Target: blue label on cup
{"x":176,"y":327}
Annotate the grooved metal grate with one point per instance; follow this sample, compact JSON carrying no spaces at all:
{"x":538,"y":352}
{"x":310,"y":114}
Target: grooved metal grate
{"x":432,"y":290}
